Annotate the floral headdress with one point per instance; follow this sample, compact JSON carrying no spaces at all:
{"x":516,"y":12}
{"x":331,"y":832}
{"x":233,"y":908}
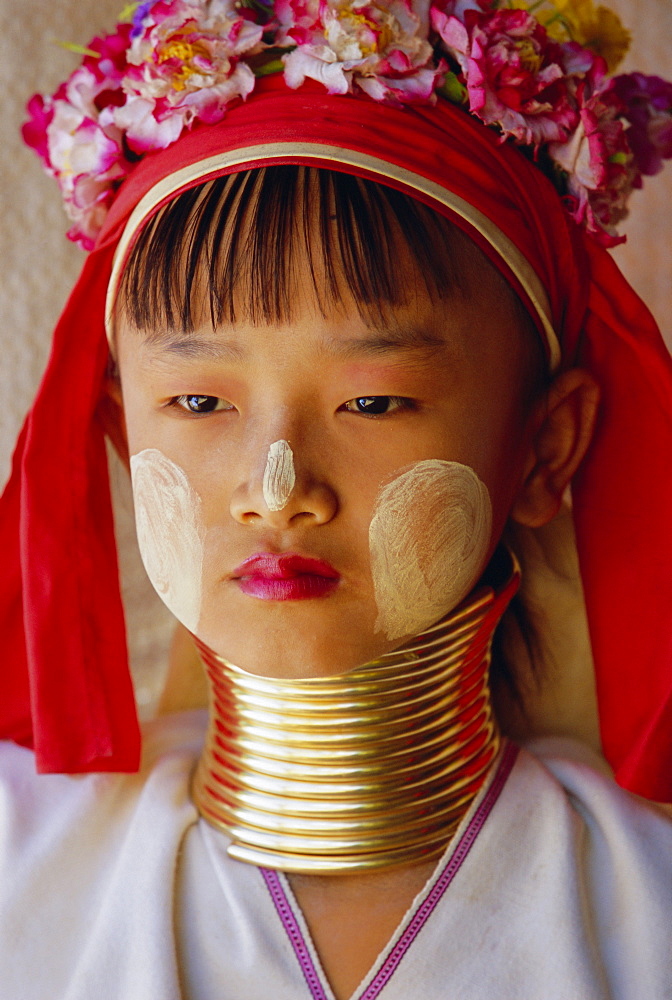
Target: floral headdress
{"x":538,"y":72}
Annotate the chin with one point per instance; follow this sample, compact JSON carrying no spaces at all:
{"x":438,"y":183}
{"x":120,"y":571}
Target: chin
{"x":293,"y":641}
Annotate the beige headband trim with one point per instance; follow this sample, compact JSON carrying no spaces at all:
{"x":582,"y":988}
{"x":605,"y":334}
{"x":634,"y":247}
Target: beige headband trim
{"x":195,"y":172}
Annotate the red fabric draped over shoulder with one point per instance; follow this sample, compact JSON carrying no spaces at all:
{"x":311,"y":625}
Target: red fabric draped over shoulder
{"x":66,"y":685}
{"x":66,"y":675}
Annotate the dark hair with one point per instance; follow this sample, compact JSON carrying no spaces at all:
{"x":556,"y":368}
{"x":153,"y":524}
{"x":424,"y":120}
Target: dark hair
{"x":242,"y":233}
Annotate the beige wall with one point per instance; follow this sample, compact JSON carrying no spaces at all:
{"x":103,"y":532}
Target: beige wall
{"x":647,"y":256}
{"x":39,"y":266}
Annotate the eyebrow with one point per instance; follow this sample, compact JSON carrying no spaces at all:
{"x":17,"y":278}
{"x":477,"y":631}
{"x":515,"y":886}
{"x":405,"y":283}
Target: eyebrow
{"x":391,"y":341}
{"x":192,"y":346}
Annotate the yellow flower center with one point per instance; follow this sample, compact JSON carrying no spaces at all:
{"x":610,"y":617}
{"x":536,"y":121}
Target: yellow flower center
{"x":529,"y":56}
{"x":380,"y":32}
{"x":184,"y":52}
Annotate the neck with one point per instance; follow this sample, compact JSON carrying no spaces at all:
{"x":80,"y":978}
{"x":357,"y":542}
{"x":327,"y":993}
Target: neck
{"x":369,"y":769}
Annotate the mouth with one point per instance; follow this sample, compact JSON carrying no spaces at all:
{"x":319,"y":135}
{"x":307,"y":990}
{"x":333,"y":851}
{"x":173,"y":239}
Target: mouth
{"x":286,"y":577}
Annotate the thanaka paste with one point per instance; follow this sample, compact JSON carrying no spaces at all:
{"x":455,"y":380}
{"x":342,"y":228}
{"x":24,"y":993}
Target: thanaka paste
{"x":279,"y":476}
{"x":170,"y":537}
{"x":429,"y":536}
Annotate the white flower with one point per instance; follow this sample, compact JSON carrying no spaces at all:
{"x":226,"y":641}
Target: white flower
{"x":381,"y":48}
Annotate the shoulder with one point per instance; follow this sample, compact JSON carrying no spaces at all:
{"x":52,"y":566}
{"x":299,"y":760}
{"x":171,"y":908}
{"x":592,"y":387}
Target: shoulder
{"x":87,"y":867}
{"x":561,"y":777}
{"x":61,"y":831}
{"x":170,"y":746}
{"x":606,"y":809}
{"x":561,"y":806}
{"x":614,"y":848}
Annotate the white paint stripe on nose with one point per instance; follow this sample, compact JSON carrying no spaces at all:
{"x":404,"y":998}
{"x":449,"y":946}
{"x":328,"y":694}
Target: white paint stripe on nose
{"x":279,"y":475}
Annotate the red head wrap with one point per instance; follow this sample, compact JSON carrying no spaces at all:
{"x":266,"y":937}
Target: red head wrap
{"x":67,"y":689}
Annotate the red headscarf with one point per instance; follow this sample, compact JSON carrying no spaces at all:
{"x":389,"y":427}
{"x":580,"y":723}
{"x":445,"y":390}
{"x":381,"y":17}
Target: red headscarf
{"x":67,"y":689}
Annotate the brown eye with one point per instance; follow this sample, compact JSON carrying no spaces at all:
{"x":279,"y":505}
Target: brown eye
{"x":202,"y":404}
{"x":376,"y":406}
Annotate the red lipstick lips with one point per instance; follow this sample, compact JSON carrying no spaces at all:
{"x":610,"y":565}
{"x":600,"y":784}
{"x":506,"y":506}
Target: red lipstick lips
{"x":286,"y":577}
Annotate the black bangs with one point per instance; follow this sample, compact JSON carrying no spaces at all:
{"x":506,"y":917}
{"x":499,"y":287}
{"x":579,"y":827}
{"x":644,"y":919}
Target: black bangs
{"x":235,"y":248}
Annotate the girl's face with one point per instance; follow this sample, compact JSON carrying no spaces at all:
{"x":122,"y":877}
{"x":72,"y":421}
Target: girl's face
{"x":380,"y":459}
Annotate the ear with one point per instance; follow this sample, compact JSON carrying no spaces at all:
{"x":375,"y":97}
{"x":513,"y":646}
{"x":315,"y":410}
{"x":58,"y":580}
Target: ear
{"x":564,"y":421}
{"x":110,"y":413}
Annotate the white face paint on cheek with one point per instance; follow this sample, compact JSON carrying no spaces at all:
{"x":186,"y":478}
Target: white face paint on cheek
{"x":167,"y":518}
{"x":279,"y":475}
{"x":428,"y":537}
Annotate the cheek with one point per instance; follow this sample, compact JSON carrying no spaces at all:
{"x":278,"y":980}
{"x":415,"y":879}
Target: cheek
{"x":170,"y":534}
{"x":428,"y":539}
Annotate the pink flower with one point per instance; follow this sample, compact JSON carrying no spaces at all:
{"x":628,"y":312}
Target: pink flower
{"x":87,"y":206}
{"x":78,"y":149}
{"x":82,"y":89}
{"x":184,"y":66}
{"x":34,"y":131}
{"x":87,"y":163}
{"x":146,"y":130}
{"x":383,"y":49}
{"x":583,"y":65}
{"x":78,"y":145}
{"x":647,"y":104}
{"x":296,"y":21}
{"x":110,"y":65}
{"x":600,"y":166}
{"x":515,"y":75}
{"x":443,"y":9}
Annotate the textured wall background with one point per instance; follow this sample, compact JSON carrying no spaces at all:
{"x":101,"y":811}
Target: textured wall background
{"x":39,"y":265}
{"x":647,"y":256}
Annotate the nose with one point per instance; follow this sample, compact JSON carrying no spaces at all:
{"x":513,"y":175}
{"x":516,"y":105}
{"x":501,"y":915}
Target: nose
{"x":283,"y":493}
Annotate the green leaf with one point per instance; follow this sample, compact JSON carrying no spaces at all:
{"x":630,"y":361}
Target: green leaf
{"x":127,"y":13}
{"x":620,"y":158}
{"x":267,"y":69}
{"x":453,"y":90}
{"x":81,"y":50}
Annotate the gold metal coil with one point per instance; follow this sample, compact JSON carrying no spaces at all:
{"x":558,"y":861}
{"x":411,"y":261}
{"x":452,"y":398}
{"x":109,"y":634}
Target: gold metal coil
{"x":323,"y":840}
{"x":380,"y":724}
{"x":370,"y":768}
{"x":251,"y":769}
{"x":329,"y":864}
{"x":311,"y":798}
{"x":353,"y":743}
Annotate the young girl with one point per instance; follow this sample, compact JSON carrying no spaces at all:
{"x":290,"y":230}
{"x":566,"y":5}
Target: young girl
{"x":354,"y":349}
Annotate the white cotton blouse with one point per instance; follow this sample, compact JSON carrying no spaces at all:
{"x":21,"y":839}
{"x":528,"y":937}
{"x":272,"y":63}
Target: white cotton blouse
{"x":558,"y":885}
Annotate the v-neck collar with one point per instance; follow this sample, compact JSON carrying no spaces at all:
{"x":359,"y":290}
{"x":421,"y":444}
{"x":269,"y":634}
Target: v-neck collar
{"x":419,"y":912}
